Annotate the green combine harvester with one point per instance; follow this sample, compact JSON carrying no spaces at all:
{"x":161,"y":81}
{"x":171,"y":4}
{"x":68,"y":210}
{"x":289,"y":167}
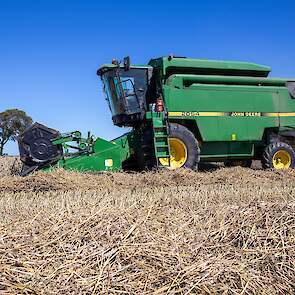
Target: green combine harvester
{"x":182,"y":112}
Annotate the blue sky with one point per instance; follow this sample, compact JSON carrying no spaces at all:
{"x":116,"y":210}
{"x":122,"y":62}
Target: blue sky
{"x":50,"y":49}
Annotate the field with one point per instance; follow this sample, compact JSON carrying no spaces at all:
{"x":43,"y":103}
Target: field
{"x":225,"y":231}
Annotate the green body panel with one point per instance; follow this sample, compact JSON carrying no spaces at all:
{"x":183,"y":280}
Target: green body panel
{"x":236,"y":100}
{"x":105,"y":155}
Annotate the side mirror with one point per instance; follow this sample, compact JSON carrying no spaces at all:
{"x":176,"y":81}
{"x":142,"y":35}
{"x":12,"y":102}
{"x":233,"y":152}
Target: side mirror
{"x":126,"y":63}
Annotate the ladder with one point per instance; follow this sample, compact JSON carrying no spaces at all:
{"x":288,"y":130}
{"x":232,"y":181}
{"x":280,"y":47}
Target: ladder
{"x":161,"y":142}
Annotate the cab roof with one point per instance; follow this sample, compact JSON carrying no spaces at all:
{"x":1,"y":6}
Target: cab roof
{"x":106,"y":67}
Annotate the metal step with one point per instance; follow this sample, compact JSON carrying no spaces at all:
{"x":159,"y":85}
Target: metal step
{"x":165,"y":154}
{"x":162,"y":145}
{"x":161,"y":142}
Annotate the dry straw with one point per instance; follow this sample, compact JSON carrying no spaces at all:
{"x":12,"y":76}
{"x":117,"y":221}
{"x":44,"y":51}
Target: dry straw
{"x":230,"y":231}
{"x":9,"y":166}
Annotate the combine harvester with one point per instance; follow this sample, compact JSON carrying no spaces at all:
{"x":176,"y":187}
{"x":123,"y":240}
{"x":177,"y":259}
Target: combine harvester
{"x":182,"y":111}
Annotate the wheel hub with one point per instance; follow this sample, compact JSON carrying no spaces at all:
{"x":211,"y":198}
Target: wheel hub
{"x":178,"y":154}
{"x":281,"y":160}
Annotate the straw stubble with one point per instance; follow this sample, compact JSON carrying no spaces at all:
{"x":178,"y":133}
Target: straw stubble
{"x":230,"y":231}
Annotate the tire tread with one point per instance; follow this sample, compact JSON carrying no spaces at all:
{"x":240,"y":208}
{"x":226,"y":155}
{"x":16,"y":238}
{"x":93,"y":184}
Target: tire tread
{"x":267,"y":155}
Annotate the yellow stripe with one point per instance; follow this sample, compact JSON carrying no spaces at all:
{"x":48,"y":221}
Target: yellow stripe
{"x":270,"y":114}
{"x":231,"y":114}
{"x":279,"y":114}
{"x":175,"y":114}
{"x":196,"y":114}
{"x":211,"y":114}
{"x":286,"y":114}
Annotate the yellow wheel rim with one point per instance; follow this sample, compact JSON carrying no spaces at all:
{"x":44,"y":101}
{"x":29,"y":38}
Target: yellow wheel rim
{"x":178,"y":153}
{"x":281,"y":160}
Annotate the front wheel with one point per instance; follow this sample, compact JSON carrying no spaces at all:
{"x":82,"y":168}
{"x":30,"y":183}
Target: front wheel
{"x":184,"y":148}
{"x":278,"y":155}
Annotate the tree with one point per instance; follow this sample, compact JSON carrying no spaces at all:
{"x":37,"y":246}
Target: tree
{"x":12,"y":123}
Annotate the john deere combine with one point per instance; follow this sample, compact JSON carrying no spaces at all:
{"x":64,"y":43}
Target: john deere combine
{"x":182,"y":111}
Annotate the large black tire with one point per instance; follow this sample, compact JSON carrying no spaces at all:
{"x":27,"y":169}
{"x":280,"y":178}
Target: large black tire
{"x":271,"y":151}
{"x":187,"y":137}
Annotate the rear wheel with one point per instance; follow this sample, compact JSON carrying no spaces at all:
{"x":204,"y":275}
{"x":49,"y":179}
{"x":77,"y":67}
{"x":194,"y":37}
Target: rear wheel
{"x":278,"y":155}
{"x":184,"y":148}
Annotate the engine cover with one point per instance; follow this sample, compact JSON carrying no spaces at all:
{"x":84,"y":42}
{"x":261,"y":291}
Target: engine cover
{"x":36,"y":149}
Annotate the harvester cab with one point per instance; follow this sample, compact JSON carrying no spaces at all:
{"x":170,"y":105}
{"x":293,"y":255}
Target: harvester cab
{"x":126,"y":88}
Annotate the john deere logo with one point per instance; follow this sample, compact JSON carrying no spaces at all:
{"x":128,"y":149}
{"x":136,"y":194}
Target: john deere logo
{"x":245,"y":114}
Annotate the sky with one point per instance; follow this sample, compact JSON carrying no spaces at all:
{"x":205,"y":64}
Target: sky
{"x":50,"y":49}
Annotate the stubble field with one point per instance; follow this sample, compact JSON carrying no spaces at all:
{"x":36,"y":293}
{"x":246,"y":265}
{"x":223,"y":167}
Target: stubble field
{"x":228,"y":231}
